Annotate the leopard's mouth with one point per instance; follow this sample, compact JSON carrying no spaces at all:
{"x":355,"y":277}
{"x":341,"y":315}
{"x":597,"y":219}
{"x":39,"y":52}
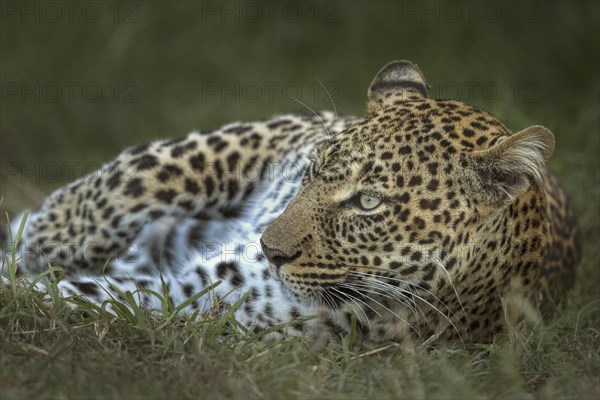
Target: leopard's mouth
{"x":274,"y":271}
{"x":328,"y":293}
{"x":341,"y":293}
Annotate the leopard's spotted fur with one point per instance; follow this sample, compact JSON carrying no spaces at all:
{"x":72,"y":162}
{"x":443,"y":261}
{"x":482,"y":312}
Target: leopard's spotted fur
{"x":464,"y":210}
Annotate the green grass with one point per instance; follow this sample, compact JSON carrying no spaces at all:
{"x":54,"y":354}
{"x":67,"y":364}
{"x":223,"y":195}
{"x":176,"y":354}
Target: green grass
{"x":52,"y":350}
{"x":547,"y":68}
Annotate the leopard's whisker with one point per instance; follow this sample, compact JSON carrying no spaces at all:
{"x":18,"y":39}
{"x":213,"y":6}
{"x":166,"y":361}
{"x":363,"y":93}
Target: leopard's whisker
{"x":383,"y":306}
{"x":391,"y":294}
{"x":408,"y":283}
{"x":328,"y":95}
{"x":330,"y":303}
{"x":354,"y":300}
{"x":439,"y":263}
{"x":447,"y":318}
{"x":314,"y":112}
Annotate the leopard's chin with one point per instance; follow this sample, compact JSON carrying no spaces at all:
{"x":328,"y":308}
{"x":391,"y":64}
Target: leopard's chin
{"x":291,"y":289}
{"x":274,"y":272}
{"x":292,"y":295}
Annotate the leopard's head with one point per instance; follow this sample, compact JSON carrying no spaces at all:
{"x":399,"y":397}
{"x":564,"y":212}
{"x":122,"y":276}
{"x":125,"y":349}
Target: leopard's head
{"x":406,"y":199}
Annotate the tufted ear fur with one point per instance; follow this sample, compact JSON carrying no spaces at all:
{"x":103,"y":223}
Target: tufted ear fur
{"x":397,"y":81}
{"x":505,"y":171}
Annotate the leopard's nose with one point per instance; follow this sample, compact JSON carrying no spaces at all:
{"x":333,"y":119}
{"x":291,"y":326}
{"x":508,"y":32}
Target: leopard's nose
{"x":279,"y":257}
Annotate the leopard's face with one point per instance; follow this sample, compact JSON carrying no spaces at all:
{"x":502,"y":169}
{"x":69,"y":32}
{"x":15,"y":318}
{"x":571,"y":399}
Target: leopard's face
{"x":396,"y":204}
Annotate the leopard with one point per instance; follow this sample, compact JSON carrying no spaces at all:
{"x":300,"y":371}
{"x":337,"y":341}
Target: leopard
{"x":410,"y":224}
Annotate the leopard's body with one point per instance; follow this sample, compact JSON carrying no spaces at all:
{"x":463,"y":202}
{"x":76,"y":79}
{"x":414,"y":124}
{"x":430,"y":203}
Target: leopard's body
{"x":414,"y":221}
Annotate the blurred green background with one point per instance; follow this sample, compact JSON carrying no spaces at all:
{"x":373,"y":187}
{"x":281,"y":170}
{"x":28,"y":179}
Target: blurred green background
{"x":82,"y":81}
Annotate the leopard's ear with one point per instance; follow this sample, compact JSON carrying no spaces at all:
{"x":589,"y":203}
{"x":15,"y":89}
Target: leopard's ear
{"x":499,"y":175}
{"x":397,"y":81}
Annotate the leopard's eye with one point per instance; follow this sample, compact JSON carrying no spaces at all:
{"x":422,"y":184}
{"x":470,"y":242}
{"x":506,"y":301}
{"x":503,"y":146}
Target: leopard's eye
{"x":367,"y":202}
